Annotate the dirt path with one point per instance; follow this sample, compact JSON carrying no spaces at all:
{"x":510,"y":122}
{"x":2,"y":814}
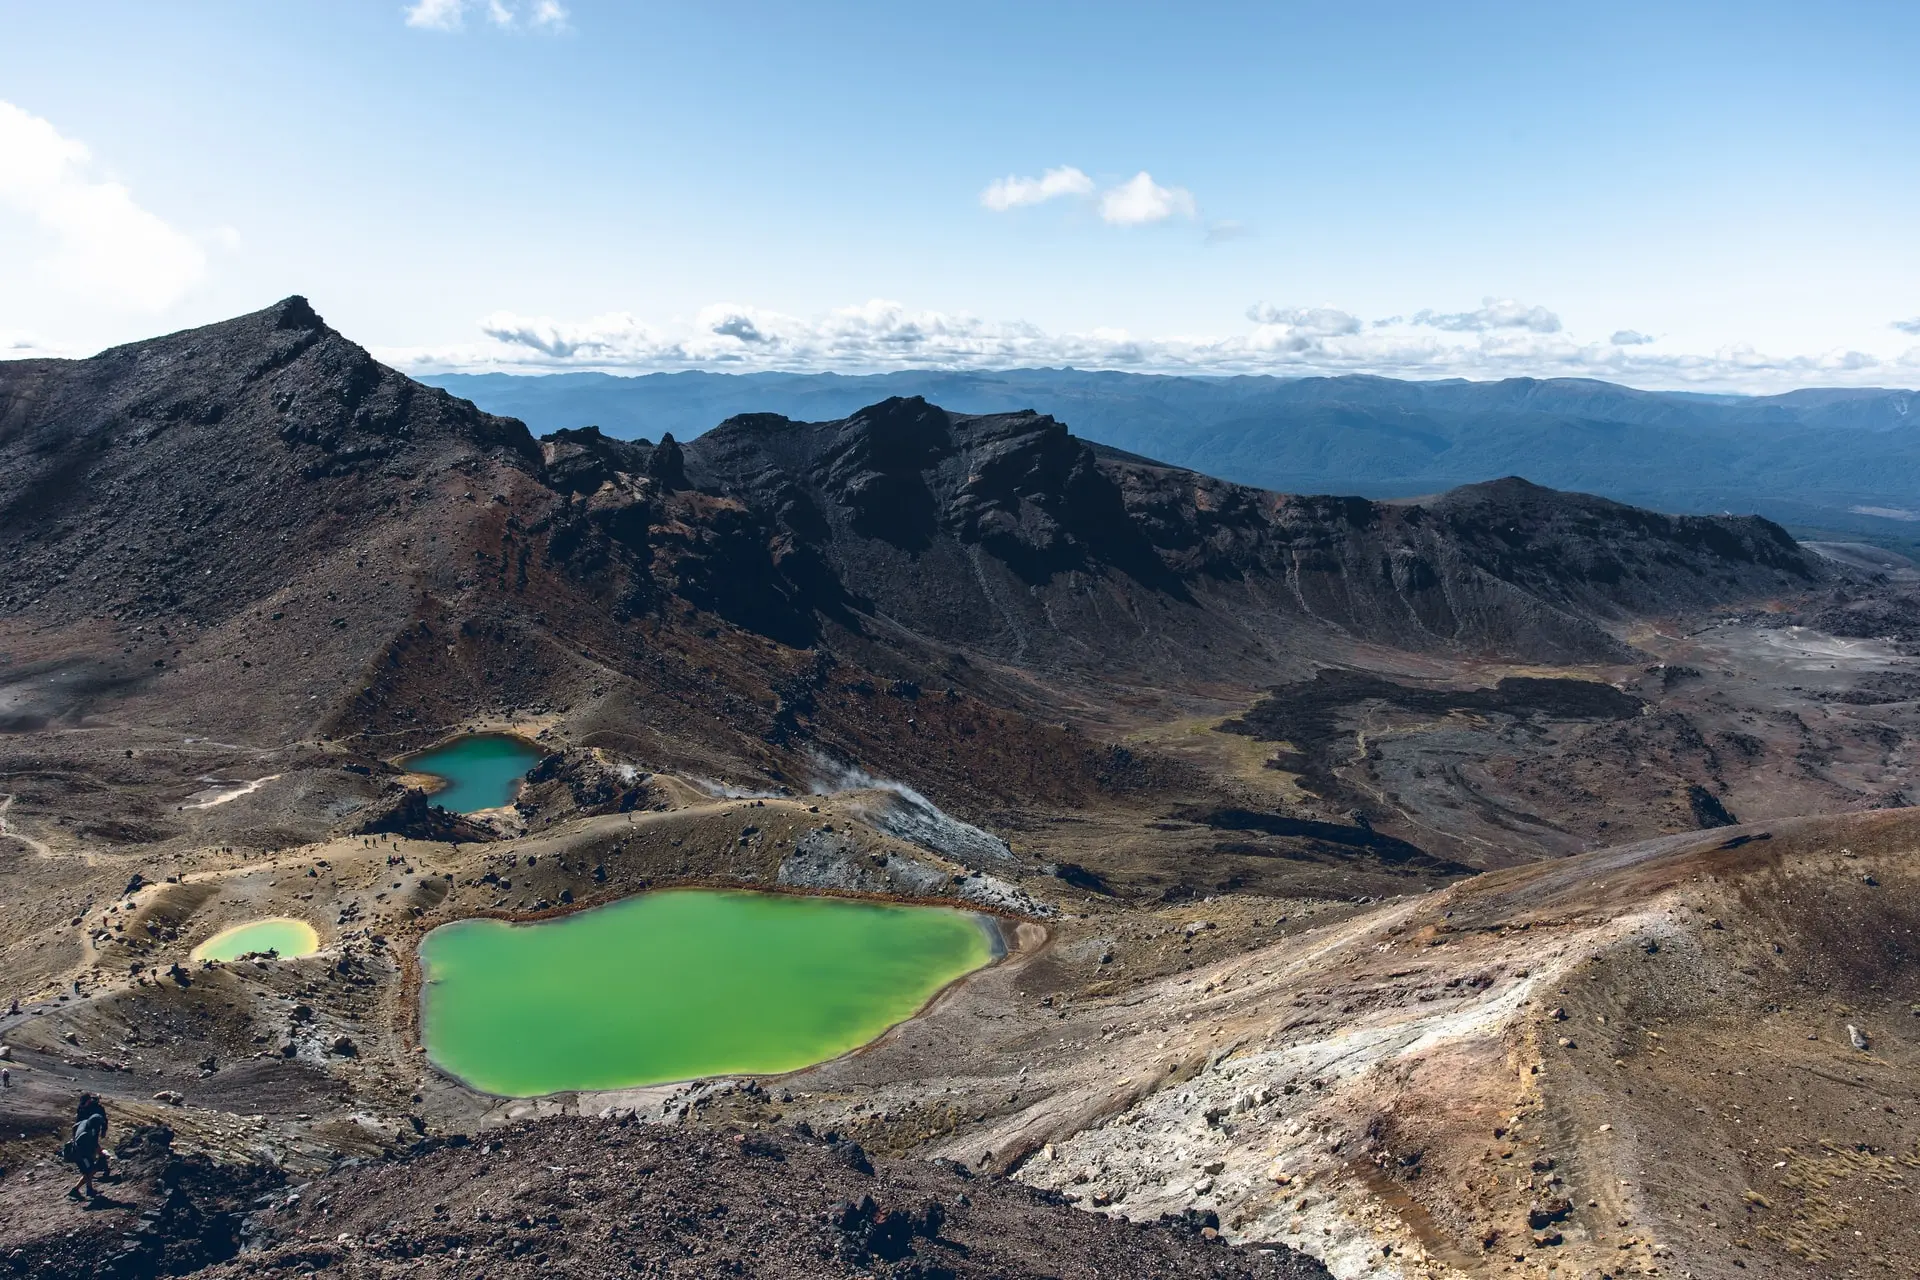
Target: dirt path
{"x":221,"y":793}
{"x":39,"y":847}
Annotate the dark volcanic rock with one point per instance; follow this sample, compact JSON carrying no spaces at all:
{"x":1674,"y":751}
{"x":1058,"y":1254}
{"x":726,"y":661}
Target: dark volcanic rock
{"x":250,"y":442}
{"x":1311,"y":714}
{"x":1358,"y":839}
{"x":410,"y":812}
{"x":577,"y":783}
{"x":1707,"y":809}
{"x":166,"y":1215}
{"x":581,"y":460}
{"x":578,"y":1197}
{"x":1892,"y":612}
{"x":1005,"y":533}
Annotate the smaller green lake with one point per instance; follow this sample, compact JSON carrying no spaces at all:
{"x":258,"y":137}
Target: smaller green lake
{"x":682,"y":983}
{"x":283,"y":934}
{"x":482,"y":771}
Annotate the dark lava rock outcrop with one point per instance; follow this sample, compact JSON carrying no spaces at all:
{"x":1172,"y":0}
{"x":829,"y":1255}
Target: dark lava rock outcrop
{"x":410,"y":812}
{"x":577,"y":1197}
{"x":1005,"y":533}
{"x":580,"y":783}
{"x":1315,"y":717}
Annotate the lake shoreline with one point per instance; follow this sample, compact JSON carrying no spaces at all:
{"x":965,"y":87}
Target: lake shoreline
{"x":308,"y":945}
{"x":1006,"y":935}
{"x":451,"y":753}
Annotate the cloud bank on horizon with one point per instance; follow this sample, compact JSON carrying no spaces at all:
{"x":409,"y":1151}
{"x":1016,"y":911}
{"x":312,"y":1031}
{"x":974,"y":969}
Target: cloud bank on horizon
{"x":1503,"y":337}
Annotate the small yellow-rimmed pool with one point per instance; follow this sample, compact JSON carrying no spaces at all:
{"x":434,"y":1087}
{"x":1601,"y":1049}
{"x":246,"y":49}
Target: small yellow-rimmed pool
{"x":282,"y":935}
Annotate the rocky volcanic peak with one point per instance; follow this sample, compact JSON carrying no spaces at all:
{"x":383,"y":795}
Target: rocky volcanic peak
{"x":1575,"y":543}
{"x":1004,"y":531}
{"x":1015,"y":484}
{"x":581,"y":459}
{"x":243,"y":444}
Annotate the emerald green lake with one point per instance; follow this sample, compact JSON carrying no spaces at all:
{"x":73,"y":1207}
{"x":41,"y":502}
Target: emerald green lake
{"x":481,"y":772}
{"x":283,"y":934}
{"x":682,"y":983}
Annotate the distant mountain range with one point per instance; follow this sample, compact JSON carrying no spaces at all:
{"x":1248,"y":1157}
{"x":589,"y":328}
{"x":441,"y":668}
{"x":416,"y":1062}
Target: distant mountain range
{"x":1827,"y":459}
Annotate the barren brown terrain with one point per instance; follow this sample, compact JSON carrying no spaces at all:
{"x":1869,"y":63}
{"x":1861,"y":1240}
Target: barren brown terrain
{"x":1508,"y":882}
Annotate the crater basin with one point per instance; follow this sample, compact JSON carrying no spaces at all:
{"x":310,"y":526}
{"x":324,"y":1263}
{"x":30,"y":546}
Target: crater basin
{"x":482,"y":771}
{"x":682,"y":983}
{"x":281,"y":934}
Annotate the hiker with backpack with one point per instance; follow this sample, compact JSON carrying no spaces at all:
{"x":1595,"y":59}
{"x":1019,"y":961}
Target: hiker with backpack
{"x":88,"y":1149}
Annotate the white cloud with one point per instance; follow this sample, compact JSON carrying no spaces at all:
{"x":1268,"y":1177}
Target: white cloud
{"x":1285,"y":340}
{"x":451,"y":15}
{"x":1011,"y":192}
{"x":1494,"y":313}
{"x":1221,"y":232}
{"x":1141,"y":200}
{"x":1137,"y":201}
{"x":99,"y":242}
{"x":1908,"y":326}
{"x":1318,"y":321}
{"x":436,"y":15}
{"x":1630,"y":338}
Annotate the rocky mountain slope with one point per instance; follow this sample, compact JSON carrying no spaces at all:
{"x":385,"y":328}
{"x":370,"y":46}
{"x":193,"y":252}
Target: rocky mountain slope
{"x":1009,"y":536}
{"x":250,"y":448}
{"x":254,"y":534}
{"x":191,"y":475}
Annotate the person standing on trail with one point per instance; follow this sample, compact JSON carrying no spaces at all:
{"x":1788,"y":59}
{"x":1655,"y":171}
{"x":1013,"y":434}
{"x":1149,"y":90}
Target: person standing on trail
{"x":88,"y":1150}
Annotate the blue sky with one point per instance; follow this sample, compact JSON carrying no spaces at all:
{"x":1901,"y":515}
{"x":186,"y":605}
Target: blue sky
{"x":1666,"y":195}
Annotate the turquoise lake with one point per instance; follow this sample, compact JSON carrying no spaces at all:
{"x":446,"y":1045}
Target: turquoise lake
{"x":481,"y":772}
